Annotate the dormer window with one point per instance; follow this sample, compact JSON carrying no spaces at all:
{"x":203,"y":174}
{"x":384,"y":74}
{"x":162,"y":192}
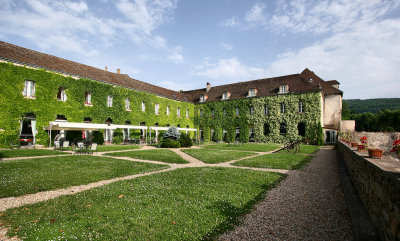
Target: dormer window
{"x":226,"y":95}
{"x":283,"y":89}
{"x":252,"y":93}
{"x":202,"y":98}
{"x":61,"y":96}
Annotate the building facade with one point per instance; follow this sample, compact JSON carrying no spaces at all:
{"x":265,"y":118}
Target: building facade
{"x":38,"y":89}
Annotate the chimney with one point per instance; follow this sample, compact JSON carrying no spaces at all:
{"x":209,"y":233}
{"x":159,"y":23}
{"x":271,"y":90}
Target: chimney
{"x":208,"y":87}
{"x":106,"y":68}
{"x":118,"y":71}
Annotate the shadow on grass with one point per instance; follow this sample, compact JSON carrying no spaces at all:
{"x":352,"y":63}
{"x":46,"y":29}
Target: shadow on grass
{"x":1,"y":155}
{"x":233,"y":214}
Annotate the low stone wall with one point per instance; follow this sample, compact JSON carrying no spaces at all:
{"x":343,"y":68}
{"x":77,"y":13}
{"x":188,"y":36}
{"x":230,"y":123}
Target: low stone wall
{"x":378,"y":184}
{"x":381,"y":140}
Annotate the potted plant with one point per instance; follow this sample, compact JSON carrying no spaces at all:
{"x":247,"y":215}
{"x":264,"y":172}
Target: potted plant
{"x":353,"y":144}
{"x":364,"y":144}
{"x":396,"y":147}
{"x":375,"y":153}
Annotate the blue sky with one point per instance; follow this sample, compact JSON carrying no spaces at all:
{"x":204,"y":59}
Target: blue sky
{"x":182,"y":44}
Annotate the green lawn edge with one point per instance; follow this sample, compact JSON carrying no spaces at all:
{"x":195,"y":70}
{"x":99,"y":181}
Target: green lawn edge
{"x":161,"y":155}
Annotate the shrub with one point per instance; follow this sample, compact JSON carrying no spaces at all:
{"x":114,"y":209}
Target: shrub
{"x":320,"y":135}
{"x":118,"y":137}
{"x":185,"y":140}
{"x":168,"y":143}
{"x":172,"y":133}
{"x":98,"y":137}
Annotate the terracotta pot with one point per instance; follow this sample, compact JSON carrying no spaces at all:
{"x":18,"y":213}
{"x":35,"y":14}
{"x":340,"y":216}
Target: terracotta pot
{"x":375,"y":153}
{"x":353,"y":144}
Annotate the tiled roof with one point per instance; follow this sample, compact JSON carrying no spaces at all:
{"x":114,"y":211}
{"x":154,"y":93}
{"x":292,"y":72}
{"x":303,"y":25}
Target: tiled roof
{"x":33,"y":58}
{"x":264,"y":87}
{"x":316,"y":81}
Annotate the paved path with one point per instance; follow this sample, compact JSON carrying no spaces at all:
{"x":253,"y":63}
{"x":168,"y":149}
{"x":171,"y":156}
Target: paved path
{"x":307,"y":205}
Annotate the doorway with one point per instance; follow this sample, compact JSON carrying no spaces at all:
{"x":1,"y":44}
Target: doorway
{"x":330,"y":136}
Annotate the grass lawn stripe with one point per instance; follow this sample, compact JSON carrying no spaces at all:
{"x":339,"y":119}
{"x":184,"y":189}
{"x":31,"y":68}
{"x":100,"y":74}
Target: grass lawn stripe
{"x":276,"y":161}
{"x":20,"y":177}
{"x":103,"y":148}
{"x":184,"y":204}
{"x":161,"y":155}
{"x":257,"y":147}
{"x":29,"y":152}
{"x":214,"y":156}
{"x":304,"y":149}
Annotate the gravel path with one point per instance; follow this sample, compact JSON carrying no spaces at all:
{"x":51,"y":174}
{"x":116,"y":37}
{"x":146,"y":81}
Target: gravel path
{"x":308,"y":205}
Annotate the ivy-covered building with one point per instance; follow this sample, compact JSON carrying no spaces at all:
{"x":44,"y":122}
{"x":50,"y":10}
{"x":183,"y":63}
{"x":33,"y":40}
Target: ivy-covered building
{"x":38,"y":90}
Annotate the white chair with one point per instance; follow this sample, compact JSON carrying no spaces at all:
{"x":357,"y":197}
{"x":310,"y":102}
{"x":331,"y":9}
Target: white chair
{"x":80,"y":149}
{"x":56,"y":145}
{"x":93,"y":147}
{"x":65,"y":145}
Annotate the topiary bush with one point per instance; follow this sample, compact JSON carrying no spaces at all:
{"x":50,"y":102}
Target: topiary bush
{"x":168,"y":143}
{"x":185,"y":140}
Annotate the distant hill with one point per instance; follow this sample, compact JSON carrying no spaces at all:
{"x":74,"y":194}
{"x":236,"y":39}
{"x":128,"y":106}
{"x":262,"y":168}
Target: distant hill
{"x":373,"y":105}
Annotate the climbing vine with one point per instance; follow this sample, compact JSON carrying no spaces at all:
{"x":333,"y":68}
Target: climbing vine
{"x":46,"y":107}
{"x":230,"y":122}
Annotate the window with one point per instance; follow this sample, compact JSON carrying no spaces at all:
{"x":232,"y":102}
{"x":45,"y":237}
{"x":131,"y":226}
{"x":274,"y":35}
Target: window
{"x":252,"y":93}
{"x":157,"y":109}
{"x":88,"y":98}
{"x":202,"y":98}
{"x":251,"y":110}
{"x":201,"y":113}
{"x":301,"y":128}
{"x":212,"y":113}
{"x":178,"y":111}
{"x":167,"y":110}
{"x":282,"y":108}
{"x":143,"y":106}
{"x":237,"y":111}
{"x":224,"y":112}
{"x":226,"y":95}
{"x":187,"y":113}
{"x":109,"y":101}
{"x":301,"y":107}
{"x":266,"y":129}
{"x":212,"y":134}
{"x":282,"y":129}
{"x":265,"y":109}
{"x":61,"y":96}
{"x":127,"y":104}
{"x":283,"y":89}
{"x":29,"y":90}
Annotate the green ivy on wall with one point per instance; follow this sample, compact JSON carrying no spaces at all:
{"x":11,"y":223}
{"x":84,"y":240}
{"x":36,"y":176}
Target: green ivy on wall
{"x":46,"y":107}
{"x":230,"y":122}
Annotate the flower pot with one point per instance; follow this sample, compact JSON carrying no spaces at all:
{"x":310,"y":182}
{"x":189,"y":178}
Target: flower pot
{"x":353,"y":144}
{"x":375,"y":153}
{"x":360,"y":148}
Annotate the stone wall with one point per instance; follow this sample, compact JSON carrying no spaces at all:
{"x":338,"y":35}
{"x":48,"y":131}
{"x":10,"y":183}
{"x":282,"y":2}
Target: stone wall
{"x":381,"y":140}
{"x":378,"y":185}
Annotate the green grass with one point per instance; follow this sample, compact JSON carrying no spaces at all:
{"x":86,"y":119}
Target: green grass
{"x":28,"y":152}
{"x":258,"y":147}
{"x":305,"y":149}
{"x":101,"y":148}
{"x":161,"y":155}
{"x":213,"y":156}
{"x":185,"y":204}
{"x":21,"y":177}
{"x":276,"y":161}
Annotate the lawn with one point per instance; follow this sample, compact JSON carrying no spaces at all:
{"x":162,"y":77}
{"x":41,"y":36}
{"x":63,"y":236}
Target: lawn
{"x":276,"y":161}
{"x":29,"y":152}
{"x":184,"y":204}
{"x":305,"y":149}
{"x":26,"y":176}
{"x":101,"y":148}
{"x":258,"y":147}
{"x":161,"y":155}
{"x":213,"y":156}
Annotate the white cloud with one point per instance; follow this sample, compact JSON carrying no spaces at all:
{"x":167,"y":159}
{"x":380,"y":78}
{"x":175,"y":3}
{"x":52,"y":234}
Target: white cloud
{"x":256,"y":14}
{"x":232,"y":22}
{"x":228,"y":71}
{"x":225,"y":46}
{"x":176,"y":55}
